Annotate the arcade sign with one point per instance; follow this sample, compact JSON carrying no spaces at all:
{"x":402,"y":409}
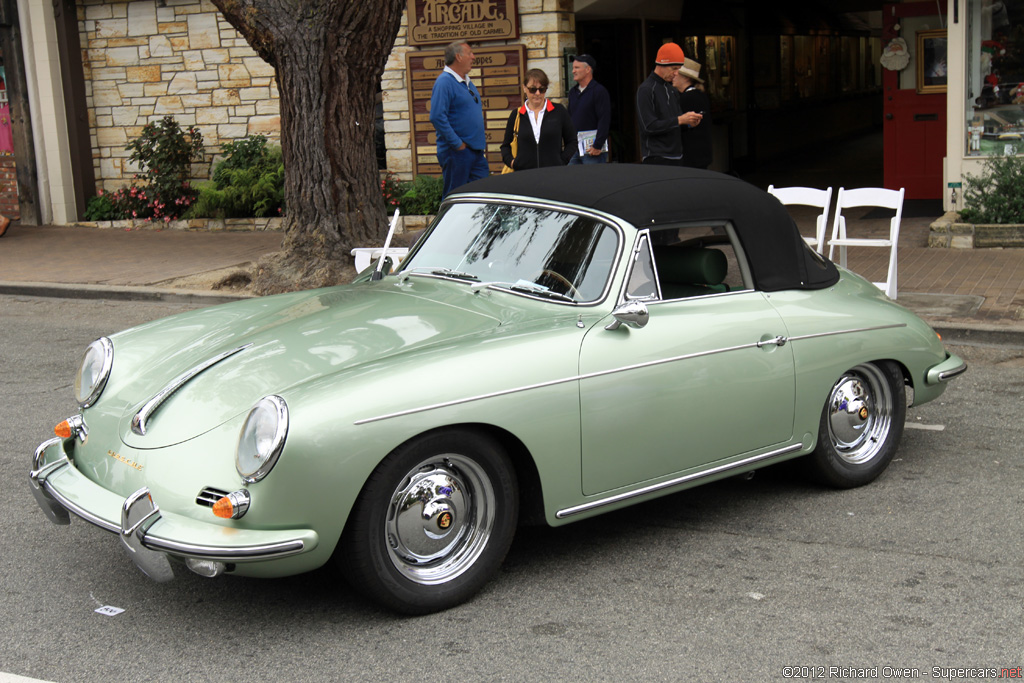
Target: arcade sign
{"x":444,"y":21}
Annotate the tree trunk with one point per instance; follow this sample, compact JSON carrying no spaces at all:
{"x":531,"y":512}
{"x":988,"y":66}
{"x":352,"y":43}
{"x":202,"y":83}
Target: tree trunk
{"x":329,"y":56}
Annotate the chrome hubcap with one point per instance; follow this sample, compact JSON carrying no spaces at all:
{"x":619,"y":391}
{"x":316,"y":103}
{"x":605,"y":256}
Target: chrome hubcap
{"x":439,"y":519}
{"x":860,"y":414}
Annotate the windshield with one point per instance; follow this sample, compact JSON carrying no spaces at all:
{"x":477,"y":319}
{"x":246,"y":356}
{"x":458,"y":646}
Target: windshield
{"x":527,"y":250}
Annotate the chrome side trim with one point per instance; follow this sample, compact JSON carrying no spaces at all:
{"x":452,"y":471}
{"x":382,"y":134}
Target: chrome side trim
{"x":147,"y":411}
{"x":603,"y":373}
{"x":554,"y":382}
{"x":852,"y":330}
{"x":577,"y":509}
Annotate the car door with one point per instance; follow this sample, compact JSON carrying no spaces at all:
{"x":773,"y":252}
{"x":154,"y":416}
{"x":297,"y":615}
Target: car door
{"x":705,"y":380}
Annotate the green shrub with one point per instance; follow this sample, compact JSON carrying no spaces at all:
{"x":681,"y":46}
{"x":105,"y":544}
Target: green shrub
{"x":101,"y":208}
{"x":163,"y":153}
{"x":249,"y":181}
{"x":997,"y":195}
{"x":421,"y":197}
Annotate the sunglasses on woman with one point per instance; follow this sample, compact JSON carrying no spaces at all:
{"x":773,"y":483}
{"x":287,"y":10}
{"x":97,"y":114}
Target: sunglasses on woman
{"x":534,"y":91}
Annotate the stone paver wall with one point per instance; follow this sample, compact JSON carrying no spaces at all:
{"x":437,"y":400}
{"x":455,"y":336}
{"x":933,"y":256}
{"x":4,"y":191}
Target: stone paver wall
{"x":145,"y":59}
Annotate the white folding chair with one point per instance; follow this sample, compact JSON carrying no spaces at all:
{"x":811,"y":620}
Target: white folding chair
{"x":869,"y":196}
{"x":808,"y":196}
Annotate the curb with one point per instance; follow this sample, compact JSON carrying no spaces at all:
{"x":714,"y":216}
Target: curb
{"x":119,"y":293}
{"x":968,"y":334}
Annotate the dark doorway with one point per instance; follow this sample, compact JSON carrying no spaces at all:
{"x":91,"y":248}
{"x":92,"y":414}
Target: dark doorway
{"x":616,"y":47}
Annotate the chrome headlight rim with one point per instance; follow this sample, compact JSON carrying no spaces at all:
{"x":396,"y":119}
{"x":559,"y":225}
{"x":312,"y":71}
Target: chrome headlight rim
{"x":252,"y":461}
{"x":101,"y":351}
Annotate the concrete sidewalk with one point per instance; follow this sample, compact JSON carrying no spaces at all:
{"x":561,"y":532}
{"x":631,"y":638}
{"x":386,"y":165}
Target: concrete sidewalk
{"x":978,"y":293}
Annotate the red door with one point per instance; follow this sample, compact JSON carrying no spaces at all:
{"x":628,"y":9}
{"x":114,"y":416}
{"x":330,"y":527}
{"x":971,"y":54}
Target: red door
{"x":914,"y":131}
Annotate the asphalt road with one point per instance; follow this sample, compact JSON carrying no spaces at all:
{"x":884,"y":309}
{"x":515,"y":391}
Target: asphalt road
{"x":737,"y":580}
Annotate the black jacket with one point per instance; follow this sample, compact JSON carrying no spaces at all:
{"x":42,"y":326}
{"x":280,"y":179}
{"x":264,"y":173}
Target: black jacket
{"x":557,"y":139}
{"x":657,"y":107}
{"x":696,"y":140}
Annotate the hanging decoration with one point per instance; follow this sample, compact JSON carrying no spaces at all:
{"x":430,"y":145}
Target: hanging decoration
{"x":895,"y":55}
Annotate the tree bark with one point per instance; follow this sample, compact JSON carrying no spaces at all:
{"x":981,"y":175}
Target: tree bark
{"x":329,"y":56}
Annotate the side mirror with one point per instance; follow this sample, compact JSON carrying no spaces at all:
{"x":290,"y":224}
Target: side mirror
{"x":632,"y":313}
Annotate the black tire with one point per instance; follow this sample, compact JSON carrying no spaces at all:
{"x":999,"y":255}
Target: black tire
{"x":861,"y":425}
{"x":464,"y":483}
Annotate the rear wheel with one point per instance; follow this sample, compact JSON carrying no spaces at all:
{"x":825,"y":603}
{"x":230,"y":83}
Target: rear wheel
{"x":433,"y":523}
{"x":861,"y":425}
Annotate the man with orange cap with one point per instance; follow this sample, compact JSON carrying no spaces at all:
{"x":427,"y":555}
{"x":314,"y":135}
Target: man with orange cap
{"x":659,"y":114}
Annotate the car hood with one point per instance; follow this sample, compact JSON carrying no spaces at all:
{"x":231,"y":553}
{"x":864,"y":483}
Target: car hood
{"x":269,"y":345}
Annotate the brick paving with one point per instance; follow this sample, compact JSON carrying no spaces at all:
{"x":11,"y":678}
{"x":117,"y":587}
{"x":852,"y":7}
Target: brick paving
{"x":988,"y":283}
{"x":95,"y":256}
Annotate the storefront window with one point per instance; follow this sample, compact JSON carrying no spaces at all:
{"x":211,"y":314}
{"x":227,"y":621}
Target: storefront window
{"x":995,"y":77}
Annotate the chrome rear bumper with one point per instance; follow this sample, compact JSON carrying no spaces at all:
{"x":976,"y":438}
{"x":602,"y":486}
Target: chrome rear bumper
{"x":952,"y":367}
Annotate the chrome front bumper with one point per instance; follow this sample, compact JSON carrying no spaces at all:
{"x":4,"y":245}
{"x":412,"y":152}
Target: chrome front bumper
{"x":149,"y":535}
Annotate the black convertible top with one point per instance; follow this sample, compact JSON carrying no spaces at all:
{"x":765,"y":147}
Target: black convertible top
{"x":648,"y":196}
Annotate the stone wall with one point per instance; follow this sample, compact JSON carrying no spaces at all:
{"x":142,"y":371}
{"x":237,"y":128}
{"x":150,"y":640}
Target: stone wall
{"x":546,"y":28}
{"x":145,"y":59}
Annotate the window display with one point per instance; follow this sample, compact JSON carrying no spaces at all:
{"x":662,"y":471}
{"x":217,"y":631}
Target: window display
{"x":995,"y":77}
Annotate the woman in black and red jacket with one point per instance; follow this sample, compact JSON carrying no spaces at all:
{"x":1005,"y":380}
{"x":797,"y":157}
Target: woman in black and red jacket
{"x":546,"y":134}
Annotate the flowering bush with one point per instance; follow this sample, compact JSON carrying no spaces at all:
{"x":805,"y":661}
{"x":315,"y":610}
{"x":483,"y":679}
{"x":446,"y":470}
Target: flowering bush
{"x":391,"y":191}
{"x":163,"y":153}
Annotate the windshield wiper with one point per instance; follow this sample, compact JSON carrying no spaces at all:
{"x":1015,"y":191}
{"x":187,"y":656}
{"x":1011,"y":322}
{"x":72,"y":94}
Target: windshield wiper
{"x":522,"y":287}
{"x":446,"y":272}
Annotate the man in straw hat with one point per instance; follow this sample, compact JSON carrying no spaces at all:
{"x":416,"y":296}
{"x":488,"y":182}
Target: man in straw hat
{"x":659,"y":114}
{"x":693,"y":100}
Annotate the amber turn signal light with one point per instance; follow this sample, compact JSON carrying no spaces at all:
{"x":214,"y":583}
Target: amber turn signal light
{"x":232,"y":506}
{"x":223,"y":508}
{"x":63,"y":430}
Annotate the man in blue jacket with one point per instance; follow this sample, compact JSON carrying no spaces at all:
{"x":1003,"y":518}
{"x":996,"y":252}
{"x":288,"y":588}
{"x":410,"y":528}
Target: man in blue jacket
{"x":458,"y":118}
{"x":590,"y":107}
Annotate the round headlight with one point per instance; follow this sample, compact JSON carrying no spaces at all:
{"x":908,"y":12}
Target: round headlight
{"x":262,"y":438}
{"x":93,"y":371}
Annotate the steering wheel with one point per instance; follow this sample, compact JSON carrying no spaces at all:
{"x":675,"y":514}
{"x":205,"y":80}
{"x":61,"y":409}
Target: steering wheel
{"x":562,"y":280}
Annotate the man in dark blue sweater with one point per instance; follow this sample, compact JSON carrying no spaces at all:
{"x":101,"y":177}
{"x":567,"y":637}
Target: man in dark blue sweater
{"x":458,"y":118}
{"x":590,"y":108}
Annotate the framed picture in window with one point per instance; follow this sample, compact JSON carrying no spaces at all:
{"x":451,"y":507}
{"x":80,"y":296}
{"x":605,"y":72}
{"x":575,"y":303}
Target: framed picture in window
{"x":931,"y":61}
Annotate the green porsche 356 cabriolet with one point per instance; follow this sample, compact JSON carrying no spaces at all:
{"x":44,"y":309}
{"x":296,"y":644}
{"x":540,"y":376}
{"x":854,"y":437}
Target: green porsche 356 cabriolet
{"x":402,"y":427}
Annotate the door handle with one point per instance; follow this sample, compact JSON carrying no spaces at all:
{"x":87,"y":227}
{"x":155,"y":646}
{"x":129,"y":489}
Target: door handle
{"x":778,"y":340}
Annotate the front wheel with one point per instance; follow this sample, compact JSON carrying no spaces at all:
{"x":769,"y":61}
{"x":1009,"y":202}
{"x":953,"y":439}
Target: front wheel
{"x":861,"y":425}
{"x":433,"y":523}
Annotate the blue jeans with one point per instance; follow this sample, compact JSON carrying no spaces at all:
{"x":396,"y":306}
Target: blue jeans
{"x":459,"y":167}
{"x":601,"y":158}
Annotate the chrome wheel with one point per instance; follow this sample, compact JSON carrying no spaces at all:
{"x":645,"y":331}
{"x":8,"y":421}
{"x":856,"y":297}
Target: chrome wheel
{"x":439,"y":519}
{"x":861,"y":425}
{"x":859,"y":414}
{"x":432,"y":523}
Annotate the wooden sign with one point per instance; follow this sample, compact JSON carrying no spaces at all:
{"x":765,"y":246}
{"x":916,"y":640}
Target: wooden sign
{"x":497,"y":73}
{"x":443,"y":21}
